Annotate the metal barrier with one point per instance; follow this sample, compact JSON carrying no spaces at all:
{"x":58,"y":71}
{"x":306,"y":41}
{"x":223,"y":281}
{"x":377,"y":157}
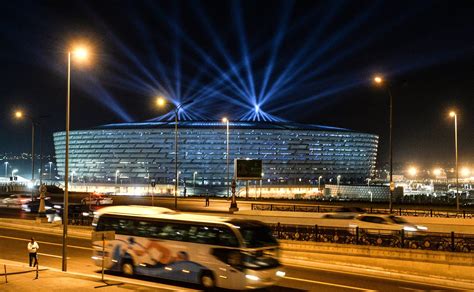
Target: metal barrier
{"x":327,"y":208}
{"x":454,"y":242}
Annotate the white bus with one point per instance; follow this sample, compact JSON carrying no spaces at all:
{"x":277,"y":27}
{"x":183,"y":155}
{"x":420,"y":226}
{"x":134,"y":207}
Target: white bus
{"x":207,"y":250}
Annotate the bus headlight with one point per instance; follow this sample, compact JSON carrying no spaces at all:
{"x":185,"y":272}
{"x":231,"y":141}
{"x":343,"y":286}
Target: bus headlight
{"x":252,"y":277}
{"x":280,"y":274}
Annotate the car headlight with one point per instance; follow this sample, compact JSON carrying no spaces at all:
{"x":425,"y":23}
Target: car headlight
{"x":280,"y":274}
{"x":421,"y":227}
{"x":252,"y":277}
{"x":409,"y":228}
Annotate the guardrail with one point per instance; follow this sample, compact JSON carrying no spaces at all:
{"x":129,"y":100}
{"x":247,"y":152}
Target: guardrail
{"x":326,"y":208}
{"x":454,"y":242}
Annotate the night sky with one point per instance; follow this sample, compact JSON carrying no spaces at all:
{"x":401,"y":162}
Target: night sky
{"x":304,"y":61}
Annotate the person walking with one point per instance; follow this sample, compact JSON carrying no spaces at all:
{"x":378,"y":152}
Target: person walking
{"x":207,"y":198}
{"x":32,"y":250}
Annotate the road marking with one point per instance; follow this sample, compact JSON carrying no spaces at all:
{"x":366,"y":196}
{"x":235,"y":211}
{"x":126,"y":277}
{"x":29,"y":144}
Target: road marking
{"x":52,"y":255}
{"x":48,"y":243}
{"x":371,"y":276}
{"x":327,"y":284}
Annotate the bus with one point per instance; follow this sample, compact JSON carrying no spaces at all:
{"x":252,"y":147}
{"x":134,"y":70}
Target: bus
{"x":207,"y":250}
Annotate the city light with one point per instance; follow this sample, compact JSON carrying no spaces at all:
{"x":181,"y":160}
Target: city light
{"x":225,"y":120}
{"x":437,"y":171}
{"x":452,"y":114}
{"x":412,"y":171}
{"x":18,"y":114}
{"x":465,"y":172}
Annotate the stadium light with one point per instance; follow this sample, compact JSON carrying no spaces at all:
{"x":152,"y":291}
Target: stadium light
{"x":412,"y":171}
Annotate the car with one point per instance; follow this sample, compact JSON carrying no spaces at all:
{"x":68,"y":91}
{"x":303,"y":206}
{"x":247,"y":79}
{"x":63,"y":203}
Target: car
{"x":344,"y":213}
{"x":386,"y":222}
{"x":33,"y":206}
{"x":16,"y":200}
{"x":97,"y":199}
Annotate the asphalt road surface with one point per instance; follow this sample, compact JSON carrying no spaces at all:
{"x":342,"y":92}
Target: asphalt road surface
{"x":220,"y":206}
{"x":13,"y":247}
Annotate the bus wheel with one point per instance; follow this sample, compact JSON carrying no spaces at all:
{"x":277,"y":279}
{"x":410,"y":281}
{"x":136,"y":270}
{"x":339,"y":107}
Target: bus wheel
{"x":127,"y":268}
{"x":207,"y":280}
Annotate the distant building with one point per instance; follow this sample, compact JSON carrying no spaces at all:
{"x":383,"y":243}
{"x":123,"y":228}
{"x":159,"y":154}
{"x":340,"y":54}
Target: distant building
{"x":141,"y":152}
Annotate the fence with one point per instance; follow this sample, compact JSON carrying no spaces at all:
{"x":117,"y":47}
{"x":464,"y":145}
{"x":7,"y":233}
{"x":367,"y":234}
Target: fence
{"x":455,"y":242}
{"x":399,"y":211}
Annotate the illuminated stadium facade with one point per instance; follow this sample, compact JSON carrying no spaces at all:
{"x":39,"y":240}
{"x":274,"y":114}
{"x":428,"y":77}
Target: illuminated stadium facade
{"x":141,"y":152}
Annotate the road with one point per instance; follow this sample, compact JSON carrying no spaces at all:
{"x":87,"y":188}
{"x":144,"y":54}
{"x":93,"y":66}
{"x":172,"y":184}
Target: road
{"x":13,"y":247}
{"x":221,"y":207}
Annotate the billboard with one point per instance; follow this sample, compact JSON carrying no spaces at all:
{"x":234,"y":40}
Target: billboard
{"x":248,"y":169}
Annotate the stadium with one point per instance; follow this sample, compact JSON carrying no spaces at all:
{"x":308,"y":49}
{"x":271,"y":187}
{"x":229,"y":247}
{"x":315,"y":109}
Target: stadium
{"x":292,"y":153}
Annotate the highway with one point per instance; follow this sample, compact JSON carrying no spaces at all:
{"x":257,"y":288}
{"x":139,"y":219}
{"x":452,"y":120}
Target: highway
{"x":13,"y":247}
{"x":220,"y":207}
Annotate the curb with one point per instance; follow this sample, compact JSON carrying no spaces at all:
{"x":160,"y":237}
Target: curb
{"x":346,"y":268}
{"x":135,"y":282}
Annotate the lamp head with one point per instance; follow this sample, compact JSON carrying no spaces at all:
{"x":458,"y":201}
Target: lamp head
{"x":225,"y":120}
{"x":160,"y":101}
{"x":452,"y":114}
{"x":80,"y":53}
{"x":18,"y":114}
{"x":378,"y":79}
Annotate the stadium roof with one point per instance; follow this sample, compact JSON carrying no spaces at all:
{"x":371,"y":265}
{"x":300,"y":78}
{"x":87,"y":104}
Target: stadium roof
{"x":213,"y":124}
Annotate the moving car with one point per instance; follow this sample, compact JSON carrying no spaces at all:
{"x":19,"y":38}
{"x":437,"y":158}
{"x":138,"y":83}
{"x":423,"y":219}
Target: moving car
{"x":16,"y":200}
{"x":388,"y":222}
{"x":97,"y":199}
{"x":344,"y":213}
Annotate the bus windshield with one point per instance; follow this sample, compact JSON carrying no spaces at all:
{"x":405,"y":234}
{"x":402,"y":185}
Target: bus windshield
{"x":255,"y":234}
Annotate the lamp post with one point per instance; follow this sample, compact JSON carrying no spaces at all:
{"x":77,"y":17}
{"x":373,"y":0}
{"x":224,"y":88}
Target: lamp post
{"x":20,"y":115}
{"x":80,"y":54}
{"x":14,"y":171}
{"x":50,"y":171}
{"x":161,"y":102}
{"x":319,"y":182}
{"x":368,"y":182}
{"x":226,"y":121}
{"x":455,"y":116}
{"x":379,"y":80}
{"x":194,"y":182}
{"x":6,"y":169}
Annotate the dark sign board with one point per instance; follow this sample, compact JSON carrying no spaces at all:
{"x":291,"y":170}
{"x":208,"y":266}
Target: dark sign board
{"x":248,"y":169}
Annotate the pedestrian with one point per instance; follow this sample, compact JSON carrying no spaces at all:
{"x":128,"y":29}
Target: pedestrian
{"x":32,"y":250}
{"x":207,"y":198}
{"x":184,"y":192}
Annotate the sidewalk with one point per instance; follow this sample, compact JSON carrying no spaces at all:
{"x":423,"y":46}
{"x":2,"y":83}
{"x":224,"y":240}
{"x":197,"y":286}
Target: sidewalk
{"x":22,"y":278}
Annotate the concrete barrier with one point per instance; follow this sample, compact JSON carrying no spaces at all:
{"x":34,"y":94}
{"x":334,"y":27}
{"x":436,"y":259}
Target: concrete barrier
{"x":447,"y":265}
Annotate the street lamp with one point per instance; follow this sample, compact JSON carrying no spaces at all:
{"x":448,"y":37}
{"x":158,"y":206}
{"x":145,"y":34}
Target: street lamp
{"x":412,"y":171}
{"x":14,"y":171}
{"x":319,"y":182}
{"x":50,"y":171}
{"x":455,"y":116}
{"x":368,"y":182}
{"x":194,"y":182}
{"x":116,"y":176}
{"x":80,"y":54}
{"x":161,"y":102}
{"x":226,"y":121}
{"x":6,"y":169}
{"x":21,"y":115}
{"x":380,"y":81}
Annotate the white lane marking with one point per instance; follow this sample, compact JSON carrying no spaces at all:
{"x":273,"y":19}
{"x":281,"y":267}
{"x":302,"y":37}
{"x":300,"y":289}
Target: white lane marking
{"x":47,"y":243}
{"x":371,"y":276}
{"x":327,"y":284}
{"x":52,"y":255}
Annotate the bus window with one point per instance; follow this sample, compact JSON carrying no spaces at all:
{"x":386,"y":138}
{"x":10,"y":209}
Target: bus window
{"x":255,"y":234}
{"x":213,"y":235}
{"x":174,"y":231}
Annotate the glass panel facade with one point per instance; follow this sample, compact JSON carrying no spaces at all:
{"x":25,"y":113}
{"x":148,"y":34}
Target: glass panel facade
{"x":143,"y":151}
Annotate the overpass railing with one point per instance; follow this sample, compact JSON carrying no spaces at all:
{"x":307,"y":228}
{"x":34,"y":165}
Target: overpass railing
{"x":398,"y":211}
{"x":453,"y":242}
